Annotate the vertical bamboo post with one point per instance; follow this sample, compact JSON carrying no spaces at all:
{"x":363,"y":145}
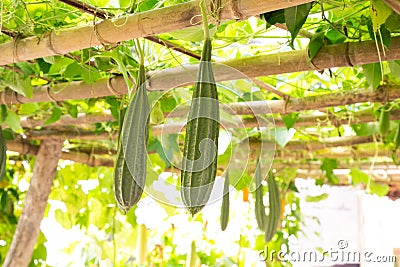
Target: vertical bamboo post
{"x":28,"y":227}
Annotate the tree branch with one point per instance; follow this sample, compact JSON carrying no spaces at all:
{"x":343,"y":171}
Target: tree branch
{"x":97,"y":12}
{"x":270,"y":88}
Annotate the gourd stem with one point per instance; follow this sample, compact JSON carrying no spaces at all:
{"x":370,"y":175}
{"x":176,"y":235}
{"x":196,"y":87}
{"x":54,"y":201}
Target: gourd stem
{"x":140,"y":51}
{"x":205,"y":21}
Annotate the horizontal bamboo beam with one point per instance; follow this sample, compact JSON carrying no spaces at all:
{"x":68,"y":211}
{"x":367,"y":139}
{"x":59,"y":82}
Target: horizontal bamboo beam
{"x":133,"y":26}
{"x":394,"y":4}
{"x":341,"y":55}
{"x":344,"y":178}
{"x":354,"y":152}
{"x":384,"y":93}
{"x":80,"y":157}
{"x":85,"y":120}
{"x":327,"y":143}
{"x":341,"y":164}
{"x":335,"y":147}
{"x":66,"y":120}
{"x":382,"y":172}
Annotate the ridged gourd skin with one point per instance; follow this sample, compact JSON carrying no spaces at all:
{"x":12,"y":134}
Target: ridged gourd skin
{"x":396,"y":140}
{"x":225,"y":203}
{"x":259,"y":208}
{"x":274,"y":209}
{"x":384,"y":121}
{"x":199,"y":164}
{"x":130,"y":166}
{"x":3,"y":154}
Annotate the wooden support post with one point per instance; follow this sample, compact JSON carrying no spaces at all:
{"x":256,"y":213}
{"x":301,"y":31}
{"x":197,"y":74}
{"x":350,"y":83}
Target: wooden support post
{"x":28,"y":227}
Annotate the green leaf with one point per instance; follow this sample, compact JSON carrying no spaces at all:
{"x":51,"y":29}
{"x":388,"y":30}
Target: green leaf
{"x":283,"y":135}
{"x":373,"y":74}
{"x":156,"y":115}
{"x":328,"y":165}
{"x":56,"y":113}
{"x":290,"y":119}
{"x":192,"y":34}
{"x":316,"y":43}
{"x":90,"y":75}
{"x":22,"y":86}
{"x":316,"y":198}
{"x":13,"y":121}
{"x":71,"y":109}
{"x":3,"y":113}
{"x":60,"y":65}
{"x":358,"y":177}
{"x":239,"y":179}
{"x":151,"y":173}
{"x":73,"y":70}
{"x":295,"y":17}
{"x":124,"y":3}
{"x":378,"y":189}
{"x":117,"y":56}
{"x":379,"y":13}
{"x":131,"y":217}
{"x":365,"y":129}
{"x":395,"y":68}
{"x":385,"y":36}
{"x":63,"y":218}
{"x":49,"y":59}
{"x":170,"y":148}
{"x":334,"y":37}
{"x":40,"y":252}
{"x":292,"y":186}
{"x":28,"y":108}
{"x":273,"y":17}
{"x":393,"y":22}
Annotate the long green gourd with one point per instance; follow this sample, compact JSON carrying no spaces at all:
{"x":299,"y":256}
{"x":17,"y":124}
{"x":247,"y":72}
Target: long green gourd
{"x":384,"y":120}
{"x":274,"y":208}
{"x":130,"y":166}
{"x":259,"y":208}
{"x":225,"y":203}
{"x":3,"y":154}
{"x":200,"y":153}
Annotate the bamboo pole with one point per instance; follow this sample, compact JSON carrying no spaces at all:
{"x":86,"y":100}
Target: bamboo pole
{"x":28,"y":227}
{"x":97,"y":12}
{"x":66,"y":120}
{"x":90,"y":159}
{"x":341,"y":55}
{"x":383,"y":171}
{"x":133,"y":26}
{"x":329,"y":147}
{"x":328,"y":143}
{"x":256,"y":108}
{"x":394,"y":4}
{"x":85,"y":120}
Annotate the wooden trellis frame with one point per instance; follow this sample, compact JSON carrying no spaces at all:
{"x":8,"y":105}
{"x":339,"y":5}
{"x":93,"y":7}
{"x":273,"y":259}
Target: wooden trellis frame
{"x":137,"y":25}
{"x":165,"y":20}
{"x":341,"y":55}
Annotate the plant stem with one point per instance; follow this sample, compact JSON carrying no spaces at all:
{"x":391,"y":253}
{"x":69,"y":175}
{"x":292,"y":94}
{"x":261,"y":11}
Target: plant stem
{"x":205,"y":21}
{"x":140,"y":51}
